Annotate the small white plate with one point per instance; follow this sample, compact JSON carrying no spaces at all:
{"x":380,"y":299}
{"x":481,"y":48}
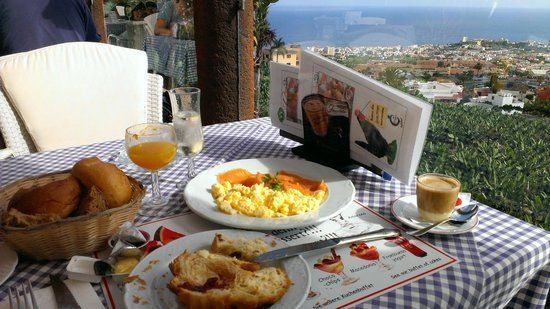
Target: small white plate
{"x":405,"y":210}
{"x":340,"y":193}
{"x":8,"y":262}
{"x":153,"y":269}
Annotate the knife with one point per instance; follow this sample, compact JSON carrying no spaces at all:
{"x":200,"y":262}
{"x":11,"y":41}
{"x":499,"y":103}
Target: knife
{"x":63,"y":295}
{"x":332,"y":242}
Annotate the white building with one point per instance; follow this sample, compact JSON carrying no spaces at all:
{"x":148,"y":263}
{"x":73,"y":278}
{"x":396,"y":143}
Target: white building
{"x":538,"y":72}
{"x":432,"y":91}
{"x":329,"y":51}
{"x":500,"y":99}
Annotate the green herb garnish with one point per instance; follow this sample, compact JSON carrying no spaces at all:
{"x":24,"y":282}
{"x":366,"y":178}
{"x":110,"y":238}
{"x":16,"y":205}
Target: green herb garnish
{"x":272,"y":182}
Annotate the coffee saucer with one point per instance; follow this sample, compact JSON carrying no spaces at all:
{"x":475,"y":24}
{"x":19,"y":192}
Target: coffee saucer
{"x":405,"y":210}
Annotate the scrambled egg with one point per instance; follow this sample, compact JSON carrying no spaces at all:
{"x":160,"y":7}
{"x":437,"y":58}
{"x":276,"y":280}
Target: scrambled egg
{"x":264,"y":202}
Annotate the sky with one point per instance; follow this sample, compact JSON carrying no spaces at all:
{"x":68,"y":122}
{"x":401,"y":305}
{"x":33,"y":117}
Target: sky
{"x":447,"y":3}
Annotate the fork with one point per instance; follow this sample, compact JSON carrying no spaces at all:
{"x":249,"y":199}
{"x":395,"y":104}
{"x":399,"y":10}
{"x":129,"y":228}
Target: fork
{"x":26,"y":288}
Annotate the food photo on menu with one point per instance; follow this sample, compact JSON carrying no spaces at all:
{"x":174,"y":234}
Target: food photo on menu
{"x":285,"y":108}
{"x":291,"y":96}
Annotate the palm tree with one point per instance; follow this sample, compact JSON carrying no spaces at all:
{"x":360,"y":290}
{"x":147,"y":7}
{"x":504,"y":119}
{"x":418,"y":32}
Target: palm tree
{"x":393,"y":77}
{"x":264,"y":37}
{"x":279,"y":48}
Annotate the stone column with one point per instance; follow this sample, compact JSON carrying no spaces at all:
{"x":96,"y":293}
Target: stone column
{"x":227,"y":86}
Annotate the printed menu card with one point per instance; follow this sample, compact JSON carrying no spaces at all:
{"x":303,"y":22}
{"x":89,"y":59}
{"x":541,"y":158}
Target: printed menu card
{"x":342,"y":276}
{"x":342,"y":112}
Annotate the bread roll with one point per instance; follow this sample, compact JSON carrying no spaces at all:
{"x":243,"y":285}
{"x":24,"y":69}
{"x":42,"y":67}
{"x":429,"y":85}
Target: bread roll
{"x":55,"y":198}
{"x":15,"y":218}
{"x":92,"y":202}
{"x":111,"y":181}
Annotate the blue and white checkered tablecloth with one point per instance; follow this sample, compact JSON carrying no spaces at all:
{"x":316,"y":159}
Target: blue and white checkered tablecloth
{"x":505,"y":262}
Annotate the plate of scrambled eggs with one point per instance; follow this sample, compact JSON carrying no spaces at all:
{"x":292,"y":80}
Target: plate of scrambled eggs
{"x":269,"y":193}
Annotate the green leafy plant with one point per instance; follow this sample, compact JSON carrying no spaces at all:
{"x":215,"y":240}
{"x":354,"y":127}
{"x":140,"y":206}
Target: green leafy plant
{"x":263,"y":98}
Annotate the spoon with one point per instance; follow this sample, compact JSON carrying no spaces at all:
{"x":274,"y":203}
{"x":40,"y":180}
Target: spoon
{"x":460,"y":215}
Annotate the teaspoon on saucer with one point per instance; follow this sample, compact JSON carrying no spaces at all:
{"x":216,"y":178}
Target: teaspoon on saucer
{"x":460,"y":215}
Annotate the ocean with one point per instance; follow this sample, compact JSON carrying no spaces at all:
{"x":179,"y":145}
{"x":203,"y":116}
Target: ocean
{"x":390,"y":26}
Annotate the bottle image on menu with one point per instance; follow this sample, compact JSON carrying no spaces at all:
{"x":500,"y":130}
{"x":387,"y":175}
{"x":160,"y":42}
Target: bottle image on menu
{"x":333,"y":264}
{"x":407,"y":245}
{"x":376,"y":143}
{"x":363,"y":251}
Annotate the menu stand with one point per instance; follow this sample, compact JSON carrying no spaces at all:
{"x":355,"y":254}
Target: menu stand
{"x":340,"y":164}
{"x":337,"y":163}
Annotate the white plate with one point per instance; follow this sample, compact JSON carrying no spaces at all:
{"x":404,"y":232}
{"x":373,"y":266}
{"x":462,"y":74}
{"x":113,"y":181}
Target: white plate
{"x":340,"y":193}
{"x":157,"y":294}
{"x":8,"y":262}
{"x":404,"y":209}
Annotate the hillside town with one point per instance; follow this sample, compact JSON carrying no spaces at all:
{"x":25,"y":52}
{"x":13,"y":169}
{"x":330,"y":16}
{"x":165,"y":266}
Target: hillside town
{"x":484,"y":73}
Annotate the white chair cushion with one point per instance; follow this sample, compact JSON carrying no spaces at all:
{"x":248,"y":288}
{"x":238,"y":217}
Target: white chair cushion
{"x":78,"y":93}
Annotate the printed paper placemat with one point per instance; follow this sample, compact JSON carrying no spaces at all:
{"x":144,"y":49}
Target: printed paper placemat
{"x":341,"y":276}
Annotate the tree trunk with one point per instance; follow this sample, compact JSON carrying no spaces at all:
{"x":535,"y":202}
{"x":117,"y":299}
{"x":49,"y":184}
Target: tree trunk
{"x":247,"y":61}
{"x":227,"y":84}
{"x":99,"y":19}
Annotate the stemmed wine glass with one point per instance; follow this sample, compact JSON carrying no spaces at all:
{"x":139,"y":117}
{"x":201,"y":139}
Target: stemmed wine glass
{"x":152,"y":146}
{"x":186,"y":114}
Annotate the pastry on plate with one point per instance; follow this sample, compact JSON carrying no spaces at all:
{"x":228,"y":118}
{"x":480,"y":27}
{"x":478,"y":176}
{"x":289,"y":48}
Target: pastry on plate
{"x":245,"y":249}
{"x":208,"y":280}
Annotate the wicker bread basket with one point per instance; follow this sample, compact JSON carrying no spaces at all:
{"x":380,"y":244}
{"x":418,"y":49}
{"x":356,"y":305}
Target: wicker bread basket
{"x":71,"y":236}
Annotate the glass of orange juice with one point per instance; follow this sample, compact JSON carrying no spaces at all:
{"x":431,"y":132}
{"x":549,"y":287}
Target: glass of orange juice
{"x":152,"y":146}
